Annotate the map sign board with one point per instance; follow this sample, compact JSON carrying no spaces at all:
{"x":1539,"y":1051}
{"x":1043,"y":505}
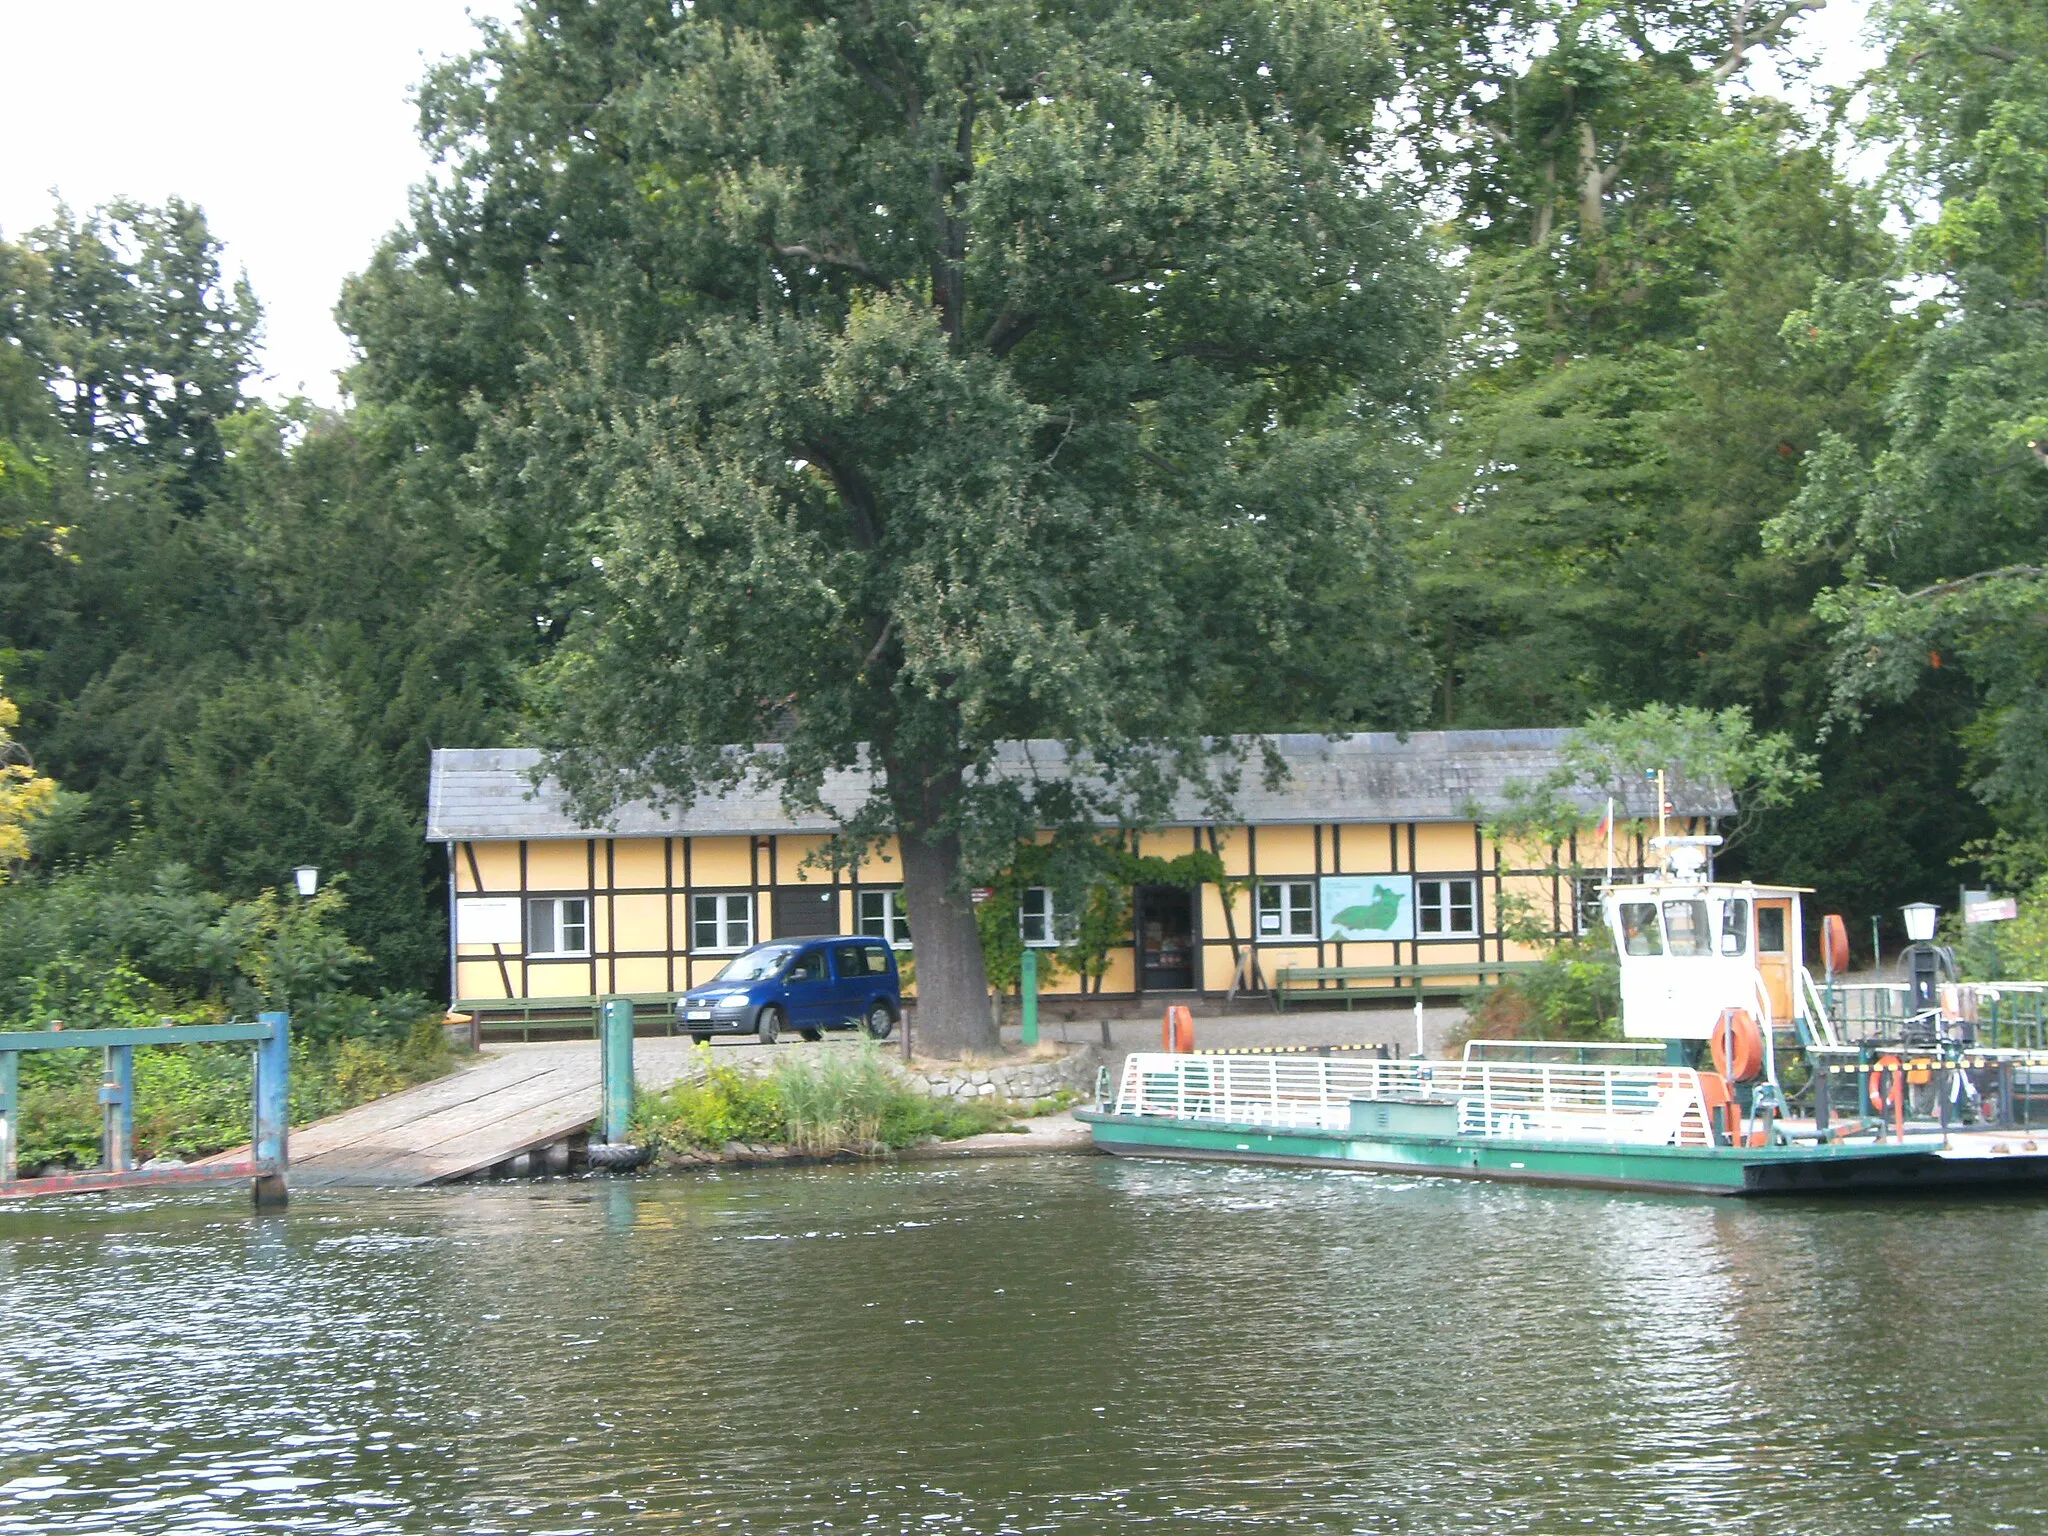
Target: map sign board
{"x":1993,"y":909}
{"x":1368,"y":908}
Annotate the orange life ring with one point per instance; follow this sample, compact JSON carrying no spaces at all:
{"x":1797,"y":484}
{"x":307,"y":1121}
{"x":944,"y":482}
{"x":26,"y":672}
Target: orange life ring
{"x":1737,"y":1045}
{"x":1887,"y":1085}
{"x":1834,"y":944}
{"x":1178,"y":1030}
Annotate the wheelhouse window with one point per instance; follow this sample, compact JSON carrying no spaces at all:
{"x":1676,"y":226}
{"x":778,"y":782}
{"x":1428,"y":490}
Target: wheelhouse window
{"x":1287,"y":909}
{"x":1036,"y":923}
{"x":884,"y":916}
{"x":1446,"y":907}
{"x":1685,"y":928}
{"x":1735,"y":927}
{"x":558,"y":925}
{"x":1770,"y":930}
{"x":722,"y":922}
{"x":1639,"y":932}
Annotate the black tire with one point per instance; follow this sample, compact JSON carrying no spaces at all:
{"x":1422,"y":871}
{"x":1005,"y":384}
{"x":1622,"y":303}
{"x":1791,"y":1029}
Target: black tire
{"x":812,"y":1035}
{"x":879,"y":1021}
{"x":701,"y":1039}
{"x":768,"y":1024}
{"x":616,"y":1157}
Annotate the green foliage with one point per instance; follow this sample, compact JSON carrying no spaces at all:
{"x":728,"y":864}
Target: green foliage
{"x":819,"y":1103}
{"x":1574,"y":994}
{"x":887,"y":384}
{"x":1091,"y":878}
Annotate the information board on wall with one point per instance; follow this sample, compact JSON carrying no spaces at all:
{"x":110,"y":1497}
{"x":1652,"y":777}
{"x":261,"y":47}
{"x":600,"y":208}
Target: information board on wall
{"x":487,"y":920}
{"x":1368,"y":908}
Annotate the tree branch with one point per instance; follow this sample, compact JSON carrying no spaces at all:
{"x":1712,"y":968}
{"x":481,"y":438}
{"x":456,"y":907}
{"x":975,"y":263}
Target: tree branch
{"x":855,"y":494}
{"x":1766,"y":33}
{"x":1963,"y":583}
{"x":830,"y":258}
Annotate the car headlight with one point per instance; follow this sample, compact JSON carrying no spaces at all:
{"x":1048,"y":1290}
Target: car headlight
{"x":728,"y":999}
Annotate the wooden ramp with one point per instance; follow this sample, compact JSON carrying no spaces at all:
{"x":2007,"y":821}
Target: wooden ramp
{"x":512,"y":1100}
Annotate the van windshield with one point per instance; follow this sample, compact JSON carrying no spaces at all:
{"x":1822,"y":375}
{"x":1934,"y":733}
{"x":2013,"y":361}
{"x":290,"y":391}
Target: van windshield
{"x":757,"y":963}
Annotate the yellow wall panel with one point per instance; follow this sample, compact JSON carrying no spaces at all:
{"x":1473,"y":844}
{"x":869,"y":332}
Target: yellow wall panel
{"x":794,"y":861}
{"x":480,"y":978}
{"x":639,"y":923}
{"x":880,"y":867}
{"x":636,"y":863}
{"x":570,"y":979}
{"x":498,"y":863}
{"x":1122,"y":972}
{"x":1287,"y":851}
{"x":559,"y":865}
{"x":1170,"y":843}
{"x":1272,"y":957}
{"x":1363,"y":848}
{"x":642,"y":974}
{"x":1443,"y":845}
{"x":1218,"y":968}
{"x":716,"y":861}
{"x":1235,"y":849}
{"x":1212,"y":919}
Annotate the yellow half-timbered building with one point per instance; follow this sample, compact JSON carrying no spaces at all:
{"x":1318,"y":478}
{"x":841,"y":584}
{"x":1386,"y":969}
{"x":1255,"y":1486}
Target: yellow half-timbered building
{"x":1372,"y":852}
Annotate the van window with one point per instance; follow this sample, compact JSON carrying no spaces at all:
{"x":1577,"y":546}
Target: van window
{"x":810,"y":967}
{"x":863,"y":960}
{"x":1685,"y":928}
{"x":1639,"y":935}
{"x":1735,"y":927}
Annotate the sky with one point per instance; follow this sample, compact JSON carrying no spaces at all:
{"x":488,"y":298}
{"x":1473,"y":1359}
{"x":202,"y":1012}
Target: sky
{"x":291,"y":123}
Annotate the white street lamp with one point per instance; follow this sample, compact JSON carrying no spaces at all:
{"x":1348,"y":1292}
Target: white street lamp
{"x":308,"y":880}
{"x":1920,"y":920}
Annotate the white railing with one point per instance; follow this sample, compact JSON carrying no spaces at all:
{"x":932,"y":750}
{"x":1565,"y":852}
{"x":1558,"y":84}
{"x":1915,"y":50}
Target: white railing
{"x":1820,"y":1025}
{"x":1654,"y":1105}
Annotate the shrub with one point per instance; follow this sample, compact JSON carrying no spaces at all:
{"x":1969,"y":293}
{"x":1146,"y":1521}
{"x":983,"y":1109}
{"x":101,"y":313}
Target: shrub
{"x":1574,"y":994}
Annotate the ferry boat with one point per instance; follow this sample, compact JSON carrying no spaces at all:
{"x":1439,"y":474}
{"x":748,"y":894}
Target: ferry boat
{"x":1713,"y":979}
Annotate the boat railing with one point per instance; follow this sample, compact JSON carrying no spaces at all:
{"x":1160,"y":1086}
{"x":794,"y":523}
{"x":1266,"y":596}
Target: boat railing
{"x":1658,"y":1105}
{"x":2010,"y":1015}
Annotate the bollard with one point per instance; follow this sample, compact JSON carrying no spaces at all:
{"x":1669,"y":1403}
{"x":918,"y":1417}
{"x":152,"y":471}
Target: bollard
{"x":117,"y":1110}
{"x":272,"y":1141}
{"x":617,"y":1063}
{"x":1028,"y":983}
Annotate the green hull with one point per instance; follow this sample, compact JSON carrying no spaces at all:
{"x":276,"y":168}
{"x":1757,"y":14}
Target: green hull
{"x":1798,"y":1169}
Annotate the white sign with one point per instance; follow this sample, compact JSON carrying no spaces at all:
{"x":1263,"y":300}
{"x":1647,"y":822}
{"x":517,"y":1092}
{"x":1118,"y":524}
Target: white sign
{"x":487,"y":920}
{"x":2002,"y":909}
{"x":1367,"y":908}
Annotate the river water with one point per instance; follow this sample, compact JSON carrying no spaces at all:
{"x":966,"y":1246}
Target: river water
{"x":1056,"y":1345}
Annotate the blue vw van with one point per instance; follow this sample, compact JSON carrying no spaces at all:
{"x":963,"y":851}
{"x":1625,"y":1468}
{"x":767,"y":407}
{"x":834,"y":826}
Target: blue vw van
{"x":808,"y":985}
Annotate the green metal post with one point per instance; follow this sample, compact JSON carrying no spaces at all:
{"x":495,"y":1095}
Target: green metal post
{"x":117,"y":1110}
{"x":10,"y":1097}
{"x":617,"y":1063}
{"x":1028,"y":982}
{"x":271,"y":1143}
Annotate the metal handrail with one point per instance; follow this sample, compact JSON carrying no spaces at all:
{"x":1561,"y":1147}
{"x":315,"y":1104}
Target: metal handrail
{"x":1655,"y":1104}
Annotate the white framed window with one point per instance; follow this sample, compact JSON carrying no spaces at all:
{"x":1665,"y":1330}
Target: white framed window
{"x":558,"y":925}
{"x":1035,"y":918}
{"x":724,"y":921}
{"x":1446,"y":907}
{"x":883,"y":915}
{"x":1287,"y":909}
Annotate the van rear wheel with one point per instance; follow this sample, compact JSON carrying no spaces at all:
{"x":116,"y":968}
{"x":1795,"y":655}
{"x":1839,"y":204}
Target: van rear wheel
{"x":880,"y":1021}
{"x":769,"y":1025}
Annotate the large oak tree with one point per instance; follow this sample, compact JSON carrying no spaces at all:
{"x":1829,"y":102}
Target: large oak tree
{"x":896,"y":379}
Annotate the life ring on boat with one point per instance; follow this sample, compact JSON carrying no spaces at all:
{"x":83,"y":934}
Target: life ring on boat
{"x":1887,"y":1086}
{"x":1179,"y":1030}
{"x":1834,"y":943}
{"x":1737,"y":1045}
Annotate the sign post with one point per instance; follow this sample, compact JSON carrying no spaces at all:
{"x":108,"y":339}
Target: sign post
{"x":1027,"y":983}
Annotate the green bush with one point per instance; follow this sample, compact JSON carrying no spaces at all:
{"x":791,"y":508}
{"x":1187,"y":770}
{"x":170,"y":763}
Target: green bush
{"x":819,"y":1103}
{"x":1574,"y":994}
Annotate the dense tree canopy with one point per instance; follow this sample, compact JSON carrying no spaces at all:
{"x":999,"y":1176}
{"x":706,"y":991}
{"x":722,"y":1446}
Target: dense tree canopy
{"x":791,"y":377}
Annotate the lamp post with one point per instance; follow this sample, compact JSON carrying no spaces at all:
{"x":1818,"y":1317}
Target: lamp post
{"x":1923,"y":965}
{"x":307,"y":878}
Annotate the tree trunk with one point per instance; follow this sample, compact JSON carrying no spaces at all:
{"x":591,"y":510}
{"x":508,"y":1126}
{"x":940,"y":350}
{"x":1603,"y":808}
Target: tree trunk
{"x":953,"y":1014}
{"x":1592,"y":185}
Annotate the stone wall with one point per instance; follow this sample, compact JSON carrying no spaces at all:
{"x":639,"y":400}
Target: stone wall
{"x":1023,"y":1081}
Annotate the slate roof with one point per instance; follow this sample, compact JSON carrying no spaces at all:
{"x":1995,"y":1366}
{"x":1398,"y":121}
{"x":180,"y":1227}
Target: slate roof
{"x":488,"y":795}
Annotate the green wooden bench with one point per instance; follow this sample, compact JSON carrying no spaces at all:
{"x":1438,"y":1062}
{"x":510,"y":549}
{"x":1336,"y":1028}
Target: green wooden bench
{"x":1320,"y":986}
{"x":526,"y":1014}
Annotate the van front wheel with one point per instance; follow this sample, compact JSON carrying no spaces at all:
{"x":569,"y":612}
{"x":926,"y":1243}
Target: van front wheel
{"x":880,"y":1021}
{"x":769,"y":1025}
